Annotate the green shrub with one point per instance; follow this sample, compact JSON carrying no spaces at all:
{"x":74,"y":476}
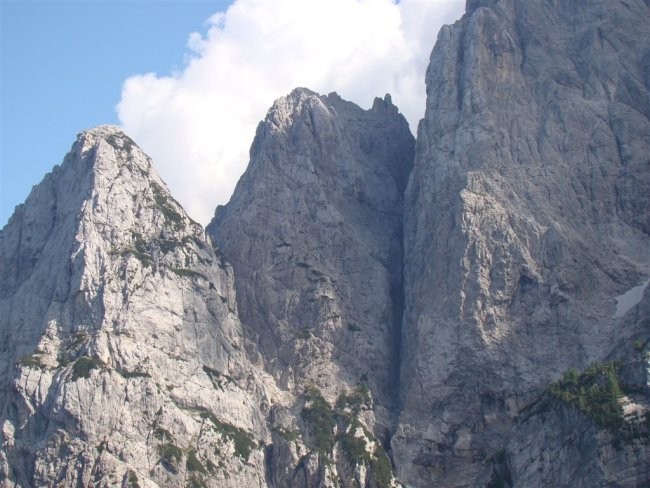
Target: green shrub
{"x":354,"y":448}
{"x":132,"y":478}
{"x":595,"y":393}
{"x":381,"y":468}
{"x":32,"y":361}
{"x":170,"y":453}
{"x":83,"y":366}
{"x":167,"y":245}
{"x":243,"y":442}
{"x":304,"y":333}
{"x":196,"y":482}
{"x":320,"y":417}
{"x":192,"y":463}
{"x":162,"y":434}
{"x":165,"y":206}
{"x":355,"y":400}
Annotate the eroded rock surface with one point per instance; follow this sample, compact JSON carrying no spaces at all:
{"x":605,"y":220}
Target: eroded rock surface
{"x":527,"y":213}
{"x":313,"y":232}
{"x":122,"y":354}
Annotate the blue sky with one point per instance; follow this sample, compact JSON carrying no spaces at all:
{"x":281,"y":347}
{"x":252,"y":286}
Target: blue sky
{"x":62,"y":69}
{"x":189,"y":81}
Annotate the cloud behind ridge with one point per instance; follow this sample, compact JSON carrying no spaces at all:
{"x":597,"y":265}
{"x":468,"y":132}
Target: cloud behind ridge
{"x":197,"y":124}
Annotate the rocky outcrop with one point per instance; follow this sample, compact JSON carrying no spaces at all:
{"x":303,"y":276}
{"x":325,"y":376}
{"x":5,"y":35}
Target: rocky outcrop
{"x":313,"y":232}
{"x":526,"y":215}
{"x":470,"y":311}
{"x":122,"y":356}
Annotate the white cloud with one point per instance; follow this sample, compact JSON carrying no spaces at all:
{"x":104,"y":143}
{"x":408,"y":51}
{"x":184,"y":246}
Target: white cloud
{"x":198,"y":124}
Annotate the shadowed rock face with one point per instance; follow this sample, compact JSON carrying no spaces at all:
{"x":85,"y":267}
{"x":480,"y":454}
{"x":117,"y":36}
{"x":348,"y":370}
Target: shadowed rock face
{"x":314,"y":234}
{"x":527,"y":213}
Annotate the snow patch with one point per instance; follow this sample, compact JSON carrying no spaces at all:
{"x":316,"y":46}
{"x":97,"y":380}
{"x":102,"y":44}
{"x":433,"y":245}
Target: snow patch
{"x":628,"y":300}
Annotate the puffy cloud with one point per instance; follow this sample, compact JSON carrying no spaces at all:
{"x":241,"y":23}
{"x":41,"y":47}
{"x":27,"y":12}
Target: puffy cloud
{"x":199,"y":123}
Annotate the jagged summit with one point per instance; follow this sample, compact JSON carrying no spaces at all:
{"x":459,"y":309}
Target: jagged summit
{"x":303,"y":102}
{"x":470,"y":311}
{"x":323,"y":190}
{"x":118,"y":329}
{"x":103,"y":131}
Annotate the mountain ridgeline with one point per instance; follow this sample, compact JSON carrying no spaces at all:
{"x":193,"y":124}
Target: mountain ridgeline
{"x":465,"y":309}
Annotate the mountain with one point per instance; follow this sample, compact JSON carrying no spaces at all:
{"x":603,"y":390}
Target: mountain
{"x":527,"y":214}
{"x":314,"y":234}
{"x":468,"y":309}
{"x":122,"y":353}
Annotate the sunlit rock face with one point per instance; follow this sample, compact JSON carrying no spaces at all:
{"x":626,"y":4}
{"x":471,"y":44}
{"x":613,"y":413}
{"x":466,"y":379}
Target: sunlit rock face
{"x":468,"y":310}
{"x":121,"y":358}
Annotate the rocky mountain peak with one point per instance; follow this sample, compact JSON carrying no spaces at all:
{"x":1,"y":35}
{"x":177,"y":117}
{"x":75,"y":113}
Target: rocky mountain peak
{"x":326,"y":179}
{"x":119,"y":330}
{"x":471,"y":310}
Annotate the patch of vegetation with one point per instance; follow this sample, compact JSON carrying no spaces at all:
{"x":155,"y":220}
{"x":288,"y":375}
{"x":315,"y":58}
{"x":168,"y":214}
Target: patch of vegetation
{"x":167,"y":245}
{"x":34,"y":361}
{"x":243,"y":442}
{"x":170,"y":454}
{"x":288,"y":435}
{"x":163,"y":201}
{"x":640,"y":345}
{"x":304,"y":333}
{"x":83,"y":366}
{"x":354,"y":448}
{"x":140,"y":250}
{"x":162,"y":434}
{"x":595,"y":393}
{"x":121,"y":142}
{"x":77,"y":339}
{"x":188,"y":273}
{"x":212,"y":468}
{"x":192,"y":463}
{"x":320,"y":417}
{"x":381,"y":468}
{"x":196,"y":482}
{"x":353,"y":401}
{"x":132,"y":479}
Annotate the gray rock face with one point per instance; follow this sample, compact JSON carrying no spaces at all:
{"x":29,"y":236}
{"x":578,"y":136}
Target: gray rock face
{"x":313,"y":232}
{"x":526,"y":215}
{"x":122,"y":355}
{"x":434,"y":296}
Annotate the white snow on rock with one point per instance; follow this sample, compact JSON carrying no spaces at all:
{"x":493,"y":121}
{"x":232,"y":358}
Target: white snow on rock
{"x":630,"y":299}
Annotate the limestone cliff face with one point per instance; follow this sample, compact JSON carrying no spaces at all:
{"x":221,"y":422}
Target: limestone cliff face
{"x":395,"y":314}
{"x":526,"y":215}
{"x":313,"y":232}
{"x":122,"y":355}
